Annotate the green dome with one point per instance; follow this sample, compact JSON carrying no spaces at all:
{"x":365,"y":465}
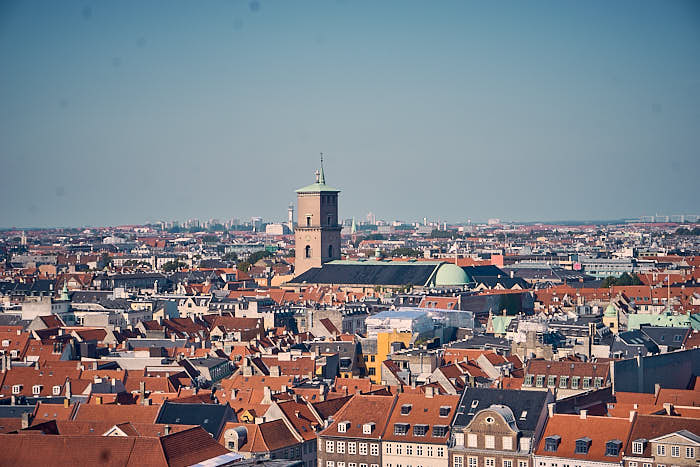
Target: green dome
{"x":451,"y":274}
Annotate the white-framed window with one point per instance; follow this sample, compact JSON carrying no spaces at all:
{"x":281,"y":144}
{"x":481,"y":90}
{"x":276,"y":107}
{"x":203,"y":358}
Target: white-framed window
{"x":675,"y":451}
{"x":690,"y":452}
{"x":489,"y":462}
{"x":330,"y":464}
{"x":507,"y":443}
{"x":489,"y":441}
{"x":637,"y":447}
{"x":36,"y":389}
{"x":632,"y":464}
{"x":419,"y":450}
{"x":440,"y":451}
{"x":660,"y":449}
{"x":56,"y":390}
{"x":330,"y":446}
{"x":647,"y":464}
{"x":399,"y":449}
{"x":472,"y":461}
{"x":340,"y":447}
{"x":363,"y":449}
{"x":374,"y":449}
{"x":522,"y":463}
{"x":430,"y":451}
{"x":457,"y":461}
{"x":507,"y":462}
{"x":374,"y":465}
{"x":409,"y":449}
{"x":16,"y":389}
{"x":472,"y":440}
{"x":341,"y":464}
{"x":352,"y":464}
{"x":352,"y":448}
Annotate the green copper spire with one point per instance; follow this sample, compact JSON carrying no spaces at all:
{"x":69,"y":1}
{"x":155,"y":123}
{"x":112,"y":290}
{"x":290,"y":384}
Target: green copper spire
{"x":322,"y":176}
{"x":64,"y":292}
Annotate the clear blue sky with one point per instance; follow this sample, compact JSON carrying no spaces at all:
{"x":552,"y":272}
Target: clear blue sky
{"x":117,"y":112}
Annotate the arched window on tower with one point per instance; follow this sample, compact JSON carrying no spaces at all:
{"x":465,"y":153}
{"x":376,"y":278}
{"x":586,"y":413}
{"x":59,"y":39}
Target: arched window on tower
{"x":307,"y":251}
{"x":308,"y":221}
{"x":330,"y":251}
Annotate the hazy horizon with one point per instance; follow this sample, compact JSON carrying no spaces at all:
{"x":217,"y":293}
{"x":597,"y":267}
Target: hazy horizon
{"x":132,"y":112}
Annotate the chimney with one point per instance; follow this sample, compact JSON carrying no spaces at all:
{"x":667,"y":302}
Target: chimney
{"x":657,"y":388}
{"x":668,"y":407}
{"x":68,"y":392}
{"x":98,"y":400}
{"x":583,"y":414}
{"x":429,"y":392}
{"x":166,"y":430}
{"x":512,"y":274}
{"x":36,"y":365}
{"x":3,"y":363}
{"x":550,"y":409}
{"x":25,"y":420}
{"x":142,"y":391}
{"x":94,"y":365}
{"x":66,"y":403}
{"x":632,"y":414}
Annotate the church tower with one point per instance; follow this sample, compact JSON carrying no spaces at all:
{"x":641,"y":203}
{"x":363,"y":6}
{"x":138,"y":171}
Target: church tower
{"x":317,"y":233}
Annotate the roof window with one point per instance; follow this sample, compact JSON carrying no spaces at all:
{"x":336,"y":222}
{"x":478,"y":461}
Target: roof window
{"x":582,"y":445}
{"x":551,"y":443}
{"x":406,"y":409}
{"x":612,"y":447}
{"x":445,"y":410}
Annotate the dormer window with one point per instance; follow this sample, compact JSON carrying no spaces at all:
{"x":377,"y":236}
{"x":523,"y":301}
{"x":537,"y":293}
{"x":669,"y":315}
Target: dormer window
{"x":439,"y":431}
{"x":343,"y":427}
{"x":16,"y":389}
{"x":368,"y":428}
{"x":582,"y":445}
{"x":638,"y":446}
{"x":36,"y":389}
{"x":551,"y":443}
{"x":612,"y":447}
{"x":56,"y":390}
{"x":475,"y":403}
{"x":420,"y":430}
{"x":400,"y":429}
{"x":5,"y":342}
{"x":444,"y":410}
{"x":406,"y":409}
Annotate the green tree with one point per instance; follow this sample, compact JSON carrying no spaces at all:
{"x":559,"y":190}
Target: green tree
{"x":403,"y":251}
{"x":257,"y":256}
{"x":230,"y":256}
{"x":243,"y":266}
{"x":210,"y":239}
{"x":172,"y":266}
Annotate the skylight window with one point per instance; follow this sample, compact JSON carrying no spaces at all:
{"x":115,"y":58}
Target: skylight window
{"x":406,"y":409}
{"x":582,"y":445}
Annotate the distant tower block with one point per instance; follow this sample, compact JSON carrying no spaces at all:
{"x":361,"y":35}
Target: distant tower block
{"x":317,"y":233}
{"x":290,"y":217}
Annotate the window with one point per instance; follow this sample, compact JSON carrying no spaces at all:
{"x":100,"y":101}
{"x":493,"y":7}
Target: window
{"x":473,"y":461}
{"x":409,"y":449}
{"x":36,"y":389}
{"x":330,"y":445}
{"x":660,"y":449}
{"x":647,"y":464}
{"x":400,"y":429}
{"x":458,"y":461}
{"x":330,"y":247}
{"x":363,"y":449}
{"x":582,"y":445}
{"x":675,"y":451}
{"x":586,"y":383}
{"x":690,"y":453}
{"x":598,"y":382}
{"x":551,"y":381}
{"x":371,"y":371}
{"x":340,"y":447}
{"x":387,"y":448}
{"x":507,"y":462}
{"x":562,"y":381}
{"x":574,"y":382}
{"x":341,"y":464}
{"x":420,"y":430}
{"x":368,"y":428}
{"x":56,"y":390}
{"x":551,"y":443}
{"x":612,"y":448}
{"x":352,"y":448}
{"x":540,"y":381}
{"x":440,"y":451}
{"x":16,"y":389}
{"x":637,"y":447}
{"x":419,"y":450}
{"x":489,"y":442}
{"x":444,"y":411}
{"x":406,"y":409}
{"x":439,"y":431}
{"x":529,"y":379}
{"x":330,"y":464}
{"x":471,"y":440}
{"x":343,"y":427}
{"x":632,"y":464}
{"x":374,"y":449}
{"x":522,"y":463}
{"x":507,"y":443}
{"x":308,"y":221}
{"x":489,"y":462}
{"x":307,"y":251}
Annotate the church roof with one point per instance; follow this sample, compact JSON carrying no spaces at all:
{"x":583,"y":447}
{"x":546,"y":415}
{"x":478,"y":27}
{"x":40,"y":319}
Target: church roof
{"x":370,"y":273}
{"x":317,"y":188}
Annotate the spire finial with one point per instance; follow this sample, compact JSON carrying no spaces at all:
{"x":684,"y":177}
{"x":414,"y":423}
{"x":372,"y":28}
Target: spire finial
{"x":322,"y":176}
